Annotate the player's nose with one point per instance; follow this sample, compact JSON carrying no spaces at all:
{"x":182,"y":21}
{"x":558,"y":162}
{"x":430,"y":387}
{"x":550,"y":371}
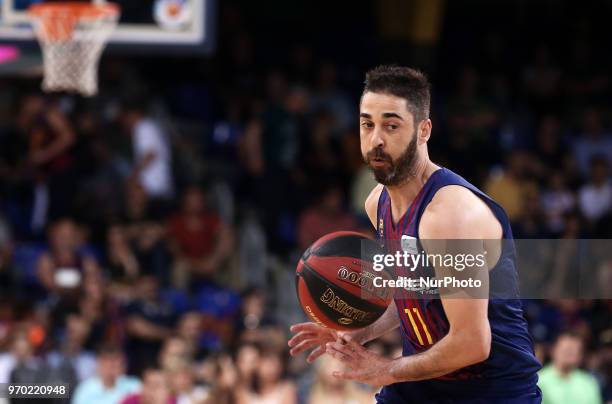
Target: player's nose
{"x":376,"y":140}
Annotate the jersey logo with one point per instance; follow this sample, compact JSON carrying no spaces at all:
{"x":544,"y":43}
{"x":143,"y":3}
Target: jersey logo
{"x":409,"y":244}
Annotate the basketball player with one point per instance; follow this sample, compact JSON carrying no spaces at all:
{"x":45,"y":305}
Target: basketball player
{"x":454,"y":350}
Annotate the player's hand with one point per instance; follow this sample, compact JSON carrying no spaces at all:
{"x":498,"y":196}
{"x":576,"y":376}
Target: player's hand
{"x":362,"y":364}
{"x":310,"y":335}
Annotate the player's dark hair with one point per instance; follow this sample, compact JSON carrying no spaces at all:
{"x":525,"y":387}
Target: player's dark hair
{"x":404,"y":82}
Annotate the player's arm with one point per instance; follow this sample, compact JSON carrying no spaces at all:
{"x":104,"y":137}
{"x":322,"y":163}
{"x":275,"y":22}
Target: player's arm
{"x":455,"y":213}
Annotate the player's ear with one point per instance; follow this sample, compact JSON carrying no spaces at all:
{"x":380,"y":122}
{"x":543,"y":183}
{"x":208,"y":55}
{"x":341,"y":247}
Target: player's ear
{"x":424,"y":131}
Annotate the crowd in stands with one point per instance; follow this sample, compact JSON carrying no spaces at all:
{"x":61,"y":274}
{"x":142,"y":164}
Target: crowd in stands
{"x":148,"y":236}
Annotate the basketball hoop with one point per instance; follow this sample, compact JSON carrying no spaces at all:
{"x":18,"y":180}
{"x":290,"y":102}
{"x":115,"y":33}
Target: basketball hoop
{"x":72,"y":36}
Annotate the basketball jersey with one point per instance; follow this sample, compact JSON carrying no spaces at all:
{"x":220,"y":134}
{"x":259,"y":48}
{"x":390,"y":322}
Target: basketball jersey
{"x":511,"y":367}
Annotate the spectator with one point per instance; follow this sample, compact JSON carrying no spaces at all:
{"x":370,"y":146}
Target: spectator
{"x":174,"y":354}
{"x":218,"y":308}
{"x":65,"y":267}
{"x":531,"y":222}
{"x":271,"y":385}
{"x":71,"y":362}
{"x":557,"y":200}
{"x":122,"y":264}
{"x":247,"y":359}
{"x":199,"y":239}
{"x":50,"y":137}
{"x":511,"y":186}
{"x":144,"y":233}
{"x":152,"y":153}
{"x":186,"y":390}
{"x":549,"y":148}
{"x":190,"y":331}
{"x":110,"y":385}
{"x":28,"y":367}
{"x":149,"y":319}
{"x":328,"y":389}
{"x":596,"y":196}
{"x":329,"y":96}
{"x":155,"y":389}
{"x":593,"y":140}
{"x":325,"y":217}
{"x":225,"y":386}
{"x":561,"y":381}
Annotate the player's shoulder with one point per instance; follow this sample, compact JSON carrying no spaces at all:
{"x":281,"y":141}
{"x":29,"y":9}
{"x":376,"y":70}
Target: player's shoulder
{"x":371,"y":203}
{"x":456,"y":212}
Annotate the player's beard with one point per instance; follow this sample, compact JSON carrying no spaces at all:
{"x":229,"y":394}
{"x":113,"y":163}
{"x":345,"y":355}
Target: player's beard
{"x":398,"y":171}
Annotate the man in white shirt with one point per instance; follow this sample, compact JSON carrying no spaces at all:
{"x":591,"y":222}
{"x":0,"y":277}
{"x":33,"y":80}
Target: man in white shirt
{"x":152,"y":152}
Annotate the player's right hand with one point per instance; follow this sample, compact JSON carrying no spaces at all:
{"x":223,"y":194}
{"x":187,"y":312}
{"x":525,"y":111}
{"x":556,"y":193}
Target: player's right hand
{"x":310,"y":335}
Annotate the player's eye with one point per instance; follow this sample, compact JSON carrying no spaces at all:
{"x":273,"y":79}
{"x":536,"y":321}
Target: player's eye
{"x":392,"y":126}
{"x":368,"y":125}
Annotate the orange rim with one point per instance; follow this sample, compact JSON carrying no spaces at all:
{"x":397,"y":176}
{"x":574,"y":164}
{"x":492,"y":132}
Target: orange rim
{"x":59,"y":19}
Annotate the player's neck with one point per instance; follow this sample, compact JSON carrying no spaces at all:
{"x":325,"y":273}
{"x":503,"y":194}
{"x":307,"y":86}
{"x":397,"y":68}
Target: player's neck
{"x":403,"y":194}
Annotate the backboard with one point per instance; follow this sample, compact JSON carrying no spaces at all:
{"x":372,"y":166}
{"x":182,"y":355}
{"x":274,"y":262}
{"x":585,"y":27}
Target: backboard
{"x":150,"y":26}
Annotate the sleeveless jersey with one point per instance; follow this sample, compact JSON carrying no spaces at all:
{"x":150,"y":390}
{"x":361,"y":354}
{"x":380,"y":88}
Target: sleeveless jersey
{"x":511,"y":367}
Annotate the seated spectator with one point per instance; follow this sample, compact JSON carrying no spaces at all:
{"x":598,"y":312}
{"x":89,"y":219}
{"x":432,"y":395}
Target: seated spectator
{"x":328,"y":389}
{"x":64,"y":268}
{"x":155,"y":389}
{"x":218,"y":308}
{"x":225,"y":386}
{"x":110,"y":385}
{"x":149,"y":319}
{"x":510,"y":187}
{"x":596,"y":196}
{"x":144,"y":233}
{"x":189,"y":330}
{"x":247,"y":357}
{"x":593,"y":140}
{"x":182,"y":381}
{"x":122,"y":264}
{"x":271,"y":385}
{"x":557,"y":200}
{"x":325,"y":217}
{"x":531,"y":222}
{"x":550,"y":149}
{"x":561,"y":381}
{"x":70,"y":362}
{"x":199,"y":239}
{"x":28,"y":367}
{"x":174,"y":354}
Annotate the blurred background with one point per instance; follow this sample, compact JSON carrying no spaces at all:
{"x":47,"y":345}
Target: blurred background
{"x":149,"y":234}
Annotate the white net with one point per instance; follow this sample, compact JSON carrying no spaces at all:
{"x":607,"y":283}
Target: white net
{"x":72,"y":44}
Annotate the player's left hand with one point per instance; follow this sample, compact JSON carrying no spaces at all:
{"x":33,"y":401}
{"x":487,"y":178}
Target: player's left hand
{"x":362,"y":364}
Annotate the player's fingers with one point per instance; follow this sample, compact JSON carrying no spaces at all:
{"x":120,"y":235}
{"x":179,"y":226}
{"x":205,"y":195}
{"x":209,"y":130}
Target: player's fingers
{"x":351,"y":344}
{"x":299,"y":337}
{"x":340,"y":352}
{"x":318,"y":351}
{"x":304,"y":345}
{"x":308,"y":327}
{"x":344,"y":374}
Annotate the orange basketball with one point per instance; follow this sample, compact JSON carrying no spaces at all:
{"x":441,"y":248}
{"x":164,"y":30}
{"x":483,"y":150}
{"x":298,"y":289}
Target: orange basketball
{"x":335,"y":281}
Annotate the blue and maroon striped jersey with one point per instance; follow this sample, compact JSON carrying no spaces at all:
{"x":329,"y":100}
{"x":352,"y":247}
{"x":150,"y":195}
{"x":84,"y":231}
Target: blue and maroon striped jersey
{"x":511,"y":367}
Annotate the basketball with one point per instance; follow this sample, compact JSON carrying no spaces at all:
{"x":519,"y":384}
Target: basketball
{"x":335,"y":281}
